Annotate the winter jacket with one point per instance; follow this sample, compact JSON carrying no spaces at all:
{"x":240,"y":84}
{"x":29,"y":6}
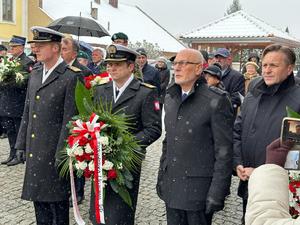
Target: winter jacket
{"x":259,"y":122}
{"x":197,"y":149}
{"x":268,"y":202}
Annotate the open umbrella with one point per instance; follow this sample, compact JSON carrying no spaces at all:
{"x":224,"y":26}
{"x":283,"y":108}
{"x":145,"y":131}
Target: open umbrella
{"x":80,"y":26}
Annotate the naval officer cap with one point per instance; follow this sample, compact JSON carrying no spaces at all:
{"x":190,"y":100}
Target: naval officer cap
{"x":44,"y":34}
{"x":17,"y":40}
{"x":120,"y":53}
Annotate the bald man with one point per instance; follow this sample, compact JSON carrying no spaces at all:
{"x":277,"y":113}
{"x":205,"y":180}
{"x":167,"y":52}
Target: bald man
{"x":195,"y":167}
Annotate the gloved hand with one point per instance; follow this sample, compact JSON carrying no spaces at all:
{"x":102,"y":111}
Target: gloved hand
{"x":21,"y":155}
{"x":213,"y":205}
{"x":277,"y":152}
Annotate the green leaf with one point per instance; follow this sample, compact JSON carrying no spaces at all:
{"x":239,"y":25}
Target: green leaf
{"x":82,"y":98}
{"x":292,"y":113}
{"x":114,"y":186}
{"x":128,"y":175}
{"x":124,"y":194}
{"x":128,"y":184}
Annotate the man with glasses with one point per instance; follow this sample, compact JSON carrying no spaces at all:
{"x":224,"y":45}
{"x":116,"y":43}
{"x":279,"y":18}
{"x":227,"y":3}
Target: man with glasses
{"x":196,"y":163}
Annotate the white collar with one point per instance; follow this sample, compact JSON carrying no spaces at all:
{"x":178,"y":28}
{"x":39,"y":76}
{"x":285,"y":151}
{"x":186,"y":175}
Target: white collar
{"x":45,"y":76}
{"x":122,"y":89}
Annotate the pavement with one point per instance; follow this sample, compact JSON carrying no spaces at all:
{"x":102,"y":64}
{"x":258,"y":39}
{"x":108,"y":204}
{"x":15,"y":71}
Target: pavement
{"x":150,"y":209}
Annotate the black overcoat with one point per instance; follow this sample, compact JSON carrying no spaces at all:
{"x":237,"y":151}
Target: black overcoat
{"x":259,"y":122}
{"x":12,"y":96}
{"x":197,"y":150}
{"x":140,"y":101}
{"x":48,"y":108}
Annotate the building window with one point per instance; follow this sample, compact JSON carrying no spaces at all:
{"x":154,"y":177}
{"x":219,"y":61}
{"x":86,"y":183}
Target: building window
{"x":7,"y":10}
{"x":41,"y":4}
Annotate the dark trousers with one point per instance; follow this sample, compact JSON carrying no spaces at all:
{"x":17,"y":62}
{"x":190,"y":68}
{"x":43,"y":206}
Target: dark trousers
{"x":79,"y":185}
{"x":52,"y":213}
{"x":116,"y":211}
{"x":11,"y":125}
{"x":2,"y":130}
{"x":186,"y":217}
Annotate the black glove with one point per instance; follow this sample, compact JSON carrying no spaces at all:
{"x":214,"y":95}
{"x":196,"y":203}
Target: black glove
{"x":21,"y":155}
{"x":213,"y":205}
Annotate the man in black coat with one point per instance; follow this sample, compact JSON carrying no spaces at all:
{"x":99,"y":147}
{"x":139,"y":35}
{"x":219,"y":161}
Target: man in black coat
{"x":263,"y":109}
{"x":49,"y":106}
{"x":195,"y":167}
{"x":233,"y":81}
{"x":12,"y":99}
{"x":150,"y":74}
{"x":69,"y":51}
{"x":139,"y":101}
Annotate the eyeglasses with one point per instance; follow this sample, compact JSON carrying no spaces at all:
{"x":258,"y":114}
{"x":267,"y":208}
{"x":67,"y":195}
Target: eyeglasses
{"x":184,"y":63}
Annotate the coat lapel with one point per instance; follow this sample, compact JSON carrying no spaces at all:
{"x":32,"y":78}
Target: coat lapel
{"x":60,"y":69}
{"x":129,"y":92}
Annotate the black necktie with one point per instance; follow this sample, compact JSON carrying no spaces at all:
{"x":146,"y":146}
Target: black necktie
{"x":183,"y":96}
{"x":117,"y":92}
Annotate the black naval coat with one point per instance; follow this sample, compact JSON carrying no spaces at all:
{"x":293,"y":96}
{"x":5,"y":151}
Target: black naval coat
{"x":196,"y":161}
{"x":139,"y":100}
{"x":85,"y":71}
{"x":48,"y":108}
{"x":12,"y":97}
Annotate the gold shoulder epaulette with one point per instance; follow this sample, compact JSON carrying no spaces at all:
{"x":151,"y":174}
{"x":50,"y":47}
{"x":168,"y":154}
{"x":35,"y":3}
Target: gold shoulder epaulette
{"x":75,"y":69}
{"x":148,"y":85}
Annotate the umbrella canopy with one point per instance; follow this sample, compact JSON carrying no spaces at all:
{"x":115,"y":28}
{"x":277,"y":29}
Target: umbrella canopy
{"x":86,"y":47}
{"x":80,"y":26}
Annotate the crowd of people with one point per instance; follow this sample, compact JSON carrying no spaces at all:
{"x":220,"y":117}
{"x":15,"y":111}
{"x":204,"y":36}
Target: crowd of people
{"x":218,"y":122}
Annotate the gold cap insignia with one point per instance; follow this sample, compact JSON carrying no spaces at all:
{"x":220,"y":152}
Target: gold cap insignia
{"x":35,"y":34}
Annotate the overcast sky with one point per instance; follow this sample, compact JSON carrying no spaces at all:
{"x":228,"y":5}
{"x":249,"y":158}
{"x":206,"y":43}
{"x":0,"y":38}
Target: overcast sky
{"x":179,"y":16}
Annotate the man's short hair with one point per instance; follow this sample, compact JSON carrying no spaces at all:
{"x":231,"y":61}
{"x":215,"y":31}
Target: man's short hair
{"x":74,"y":43}
{"x":288,"y":52}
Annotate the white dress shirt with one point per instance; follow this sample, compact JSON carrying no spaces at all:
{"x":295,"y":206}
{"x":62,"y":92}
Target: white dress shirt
{"x":46,"y":74}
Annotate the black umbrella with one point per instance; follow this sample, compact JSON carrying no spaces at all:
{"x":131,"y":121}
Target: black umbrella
{"x":80,"y":26}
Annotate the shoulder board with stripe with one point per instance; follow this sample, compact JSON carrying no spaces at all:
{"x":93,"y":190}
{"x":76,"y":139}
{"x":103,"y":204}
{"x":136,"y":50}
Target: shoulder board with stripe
{"x":74,"y":69}
{"x":148,"y":85}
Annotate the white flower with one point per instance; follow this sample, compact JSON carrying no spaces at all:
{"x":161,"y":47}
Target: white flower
{"x":107,"y":165}
{"x":19,"y":77}
{"x":78,"y":151}
{"x":91,"y":166}
{"x":104,"y":140}
{"x":70,"y":152}
{"x":88,"y":149}
{"x":120,"y":166}
{"x":81,"y":165}
{"x":104,"y":178}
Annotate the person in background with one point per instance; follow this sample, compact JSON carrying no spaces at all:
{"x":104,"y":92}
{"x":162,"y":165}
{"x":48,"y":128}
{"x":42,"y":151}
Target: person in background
{"x":205,"y":57}
{"x":32,"y":55}
{"x":3,"y":51}
{"x":164,"y":74}
{"x":253,"y":57}
{"x":250,"y":74}
{"x":12,"y":99}
{"x":69,"y":52}
{"x":83,"y":58}
{"x":120,"y":39}
{"x":97,"y":65}
{"x":264,"y":107}
{"x":211,"y":59}
{"x":213,"y":76}
{"x":268,"y":202}
{"x":233,"y":81}
{"x":150,"y":74}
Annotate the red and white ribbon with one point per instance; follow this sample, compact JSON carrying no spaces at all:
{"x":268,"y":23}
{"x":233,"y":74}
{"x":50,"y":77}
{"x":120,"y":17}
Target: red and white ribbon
{"x":77,"y":216}
{"x":98,"y":176}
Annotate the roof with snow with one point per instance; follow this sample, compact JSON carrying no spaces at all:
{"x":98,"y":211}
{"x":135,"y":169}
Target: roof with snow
{"x":240,"y":27}
{"x":129,"y":19}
